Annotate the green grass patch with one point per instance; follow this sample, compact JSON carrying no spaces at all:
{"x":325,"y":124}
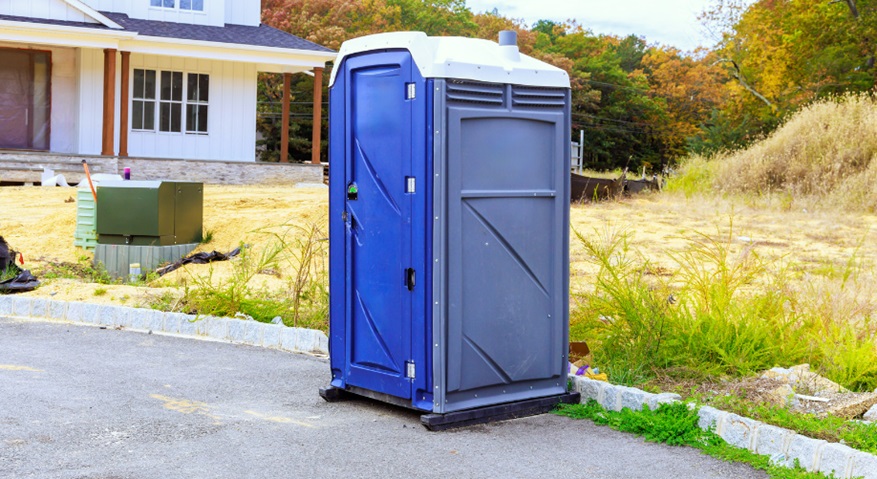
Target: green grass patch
{"x":695,"y":177}
{"x":676,"y":425}
{"x":861,"y":436}
{"x":83,"y":270}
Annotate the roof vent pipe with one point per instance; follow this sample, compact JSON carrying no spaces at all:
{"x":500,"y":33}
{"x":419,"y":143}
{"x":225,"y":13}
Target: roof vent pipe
{"x":508,"y":43}
{"x":508,"y":38}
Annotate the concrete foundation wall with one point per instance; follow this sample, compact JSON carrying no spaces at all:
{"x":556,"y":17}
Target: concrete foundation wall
{"x":23,"y":167}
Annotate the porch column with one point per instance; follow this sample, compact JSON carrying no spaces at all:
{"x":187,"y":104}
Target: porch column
{"x":123,"y":120}
{"x":284,"y":127}
{"x":108,"y":141}
{"x":318,"y":115}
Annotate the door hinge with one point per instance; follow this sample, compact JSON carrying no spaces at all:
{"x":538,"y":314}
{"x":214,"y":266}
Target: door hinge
{"x":409,"y":369}
{"x":412,"y":91}
{"x":410,"y":184}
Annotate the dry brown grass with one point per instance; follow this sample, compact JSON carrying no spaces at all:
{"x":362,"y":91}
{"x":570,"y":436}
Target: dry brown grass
{"x":39,"y":223}
{"x":823,"y":157}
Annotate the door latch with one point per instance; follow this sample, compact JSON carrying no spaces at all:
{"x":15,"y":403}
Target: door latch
{"x":352,"y":192}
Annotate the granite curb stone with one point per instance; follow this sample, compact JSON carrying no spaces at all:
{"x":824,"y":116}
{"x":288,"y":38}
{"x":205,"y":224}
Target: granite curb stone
{"x":5,"y":305}
{"x":739,"y":431}
{"x":836,"y":459}
{"x":864,"y":465}
{"x":783,"y":446}
{"x":250,"y":332}
{"x":57,"y":310}
{"x":805,"y":451}
{"x":772,"y":441}
{"x":21,"y":307}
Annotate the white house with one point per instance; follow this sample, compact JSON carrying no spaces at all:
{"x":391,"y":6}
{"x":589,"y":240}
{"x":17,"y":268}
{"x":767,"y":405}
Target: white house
{"x":140,"y":78}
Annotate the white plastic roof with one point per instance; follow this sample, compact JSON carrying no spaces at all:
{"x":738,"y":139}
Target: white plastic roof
{"x":460,"y":58}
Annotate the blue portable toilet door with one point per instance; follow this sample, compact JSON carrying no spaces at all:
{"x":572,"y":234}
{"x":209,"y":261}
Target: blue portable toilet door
{"x":379,"y":228}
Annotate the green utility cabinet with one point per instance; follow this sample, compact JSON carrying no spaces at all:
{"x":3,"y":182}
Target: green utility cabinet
{"x":150,"y":213}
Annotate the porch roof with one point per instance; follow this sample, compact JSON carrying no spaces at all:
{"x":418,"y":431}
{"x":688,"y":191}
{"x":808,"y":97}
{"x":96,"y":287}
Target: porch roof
{"x":273,"y":49}
{"x":263,"y":35}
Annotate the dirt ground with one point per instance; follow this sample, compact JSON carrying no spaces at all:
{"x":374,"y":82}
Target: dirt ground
{"x":40,"y":223}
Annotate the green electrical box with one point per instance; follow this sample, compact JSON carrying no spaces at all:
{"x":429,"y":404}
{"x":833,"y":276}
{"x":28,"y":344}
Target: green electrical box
{"x":150,"y":213}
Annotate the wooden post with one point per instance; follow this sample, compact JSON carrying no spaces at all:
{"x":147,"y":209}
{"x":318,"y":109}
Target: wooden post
{"x":108,"y":140}
{"x":284,"y":127}
{"x":318,"y":115}
{"x":123,"y":120}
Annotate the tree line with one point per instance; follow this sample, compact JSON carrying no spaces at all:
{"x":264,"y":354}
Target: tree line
{"x":641,"y":104}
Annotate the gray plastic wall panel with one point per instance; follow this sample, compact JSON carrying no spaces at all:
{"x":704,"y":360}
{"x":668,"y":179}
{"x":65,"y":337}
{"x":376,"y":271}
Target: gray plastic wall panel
{"x":502,"y":245}
{"x":117,"y":259}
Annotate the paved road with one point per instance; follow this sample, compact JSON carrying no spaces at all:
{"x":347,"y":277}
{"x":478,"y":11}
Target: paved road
{"x":81,"y":402}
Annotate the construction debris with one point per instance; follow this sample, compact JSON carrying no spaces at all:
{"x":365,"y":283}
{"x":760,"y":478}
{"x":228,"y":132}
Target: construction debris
{"x":199,"y":258}
{"x":804,"y":381}
{"x":13,"y":279}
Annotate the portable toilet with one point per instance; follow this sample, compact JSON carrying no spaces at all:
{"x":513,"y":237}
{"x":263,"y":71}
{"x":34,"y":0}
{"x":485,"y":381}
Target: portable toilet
{"x":449,"y":214}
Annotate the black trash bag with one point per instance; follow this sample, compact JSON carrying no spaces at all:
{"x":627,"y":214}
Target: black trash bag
{"x":198,"y":258}
{"x":22,"y":281}
{"x":7,"y":257}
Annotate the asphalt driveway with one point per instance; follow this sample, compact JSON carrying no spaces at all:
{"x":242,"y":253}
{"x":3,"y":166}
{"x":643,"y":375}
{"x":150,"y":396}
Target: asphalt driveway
{"x":82,"y":402}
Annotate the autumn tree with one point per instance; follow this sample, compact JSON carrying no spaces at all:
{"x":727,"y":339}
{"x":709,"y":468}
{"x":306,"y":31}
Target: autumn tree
{"x":782,"y":54}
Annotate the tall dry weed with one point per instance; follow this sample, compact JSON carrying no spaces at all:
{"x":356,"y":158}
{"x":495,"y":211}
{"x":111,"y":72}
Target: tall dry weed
{"x":825,"y":153}
{"x":723,"y":312}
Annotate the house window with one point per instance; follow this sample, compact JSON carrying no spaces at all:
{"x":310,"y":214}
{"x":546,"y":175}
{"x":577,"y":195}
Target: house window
{"x":197,"y":97}
{"x":163,"y":97}
{"x":187,"y":5}
{"x":194,"y":5}
{"x":170,"y":106}
{"x":143,"y":100}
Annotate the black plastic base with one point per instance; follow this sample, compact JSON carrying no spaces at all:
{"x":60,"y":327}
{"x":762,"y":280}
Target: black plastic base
{"x":333,"y":394}
{"x":501,"y":412}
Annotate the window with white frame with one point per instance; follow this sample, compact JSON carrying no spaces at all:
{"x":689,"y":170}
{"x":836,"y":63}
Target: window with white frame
{"x":170,"y":104}
{"x":143,"y":100}
{"x":194,"y":5}
{"x":197,"y":99}
{"x":187,"y":5}
{"x":161,"y":99}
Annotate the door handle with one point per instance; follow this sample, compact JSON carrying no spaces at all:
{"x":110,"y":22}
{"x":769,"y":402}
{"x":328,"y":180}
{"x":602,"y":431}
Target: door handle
{"x":409,"y":278}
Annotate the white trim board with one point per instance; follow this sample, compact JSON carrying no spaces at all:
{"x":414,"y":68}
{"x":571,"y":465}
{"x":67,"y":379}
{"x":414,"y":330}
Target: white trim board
{"x":93,"y":14}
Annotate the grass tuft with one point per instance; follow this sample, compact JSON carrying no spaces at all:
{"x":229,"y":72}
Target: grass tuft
{"x":677,"y":425}
{"x":302,"y":302}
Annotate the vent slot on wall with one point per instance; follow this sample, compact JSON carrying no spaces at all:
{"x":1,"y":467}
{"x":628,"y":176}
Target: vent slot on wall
{"x":481,"y":93}
{"x":539,"y":97}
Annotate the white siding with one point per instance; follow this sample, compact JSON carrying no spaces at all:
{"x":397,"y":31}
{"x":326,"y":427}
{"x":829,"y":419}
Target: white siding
{"x":231,"y":114}
{"x":50,"y":9}
{"x":246,"y":12}
{"x":64,"y":100}
{"x":91,"y":85}
{"x":213,"y":14}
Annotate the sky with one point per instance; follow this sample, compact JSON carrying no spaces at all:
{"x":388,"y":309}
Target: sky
{"x":669,"y":22}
